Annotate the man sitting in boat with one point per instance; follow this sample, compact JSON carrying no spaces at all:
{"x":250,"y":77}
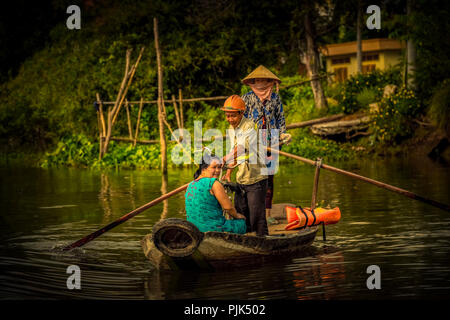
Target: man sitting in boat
{"x":206,"y":200}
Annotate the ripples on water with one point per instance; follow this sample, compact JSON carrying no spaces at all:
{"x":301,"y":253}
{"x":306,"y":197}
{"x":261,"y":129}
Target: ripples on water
{"x":409,"y":240}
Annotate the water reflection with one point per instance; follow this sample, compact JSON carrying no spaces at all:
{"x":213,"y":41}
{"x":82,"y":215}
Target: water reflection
{"x":105,"y":197}
{"x":320,"y":277}
{"x":314,"y":277}
{"x":164,"y":182}
{"x":409,"y":240}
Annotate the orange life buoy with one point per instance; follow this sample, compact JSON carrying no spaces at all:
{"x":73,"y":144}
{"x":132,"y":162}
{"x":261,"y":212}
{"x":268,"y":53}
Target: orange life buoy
{"x":303,"y":217}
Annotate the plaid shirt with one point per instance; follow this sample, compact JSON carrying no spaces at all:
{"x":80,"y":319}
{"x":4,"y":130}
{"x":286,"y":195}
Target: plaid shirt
{"x":270,"y":114}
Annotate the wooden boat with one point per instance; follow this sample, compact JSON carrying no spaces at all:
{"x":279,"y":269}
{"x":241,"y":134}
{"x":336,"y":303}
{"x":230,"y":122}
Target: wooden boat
{"x":178,"y":244}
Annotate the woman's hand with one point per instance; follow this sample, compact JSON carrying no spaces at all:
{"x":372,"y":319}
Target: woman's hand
{"x":225,"y":202}
{"x":240,"y":216}
{"x":227,"y":176}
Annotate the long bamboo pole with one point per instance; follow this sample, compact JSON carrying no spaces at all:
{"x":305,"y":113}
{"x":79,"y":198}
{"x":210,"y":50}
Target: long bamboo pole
{"x":102,"y":118}
{"x":141,"y":141}
{"x":124,"y":80}
{"x":205,"y":99}
{"x":314,"y":121}
{"x":164,"y":183}
{"x":122,"y":139}
{"x":303,"y":82}
{"x":130,"y":130}
{"x":170,"y":101}
{"x":316,"y":183}
{"x":116,"y":103}
{"x":130,"y":76}
{"x":314,"y":192}
{"x":103,"y":127}
{"x":177,"y":114}
{"x":99,"y":135}
{"x":108,"y":132}
{"x":124,"y":218}
{"x":162,"y":136}
{"x":180,"y":97}
{"x":138,"y":122}
{"x":383,"y":185}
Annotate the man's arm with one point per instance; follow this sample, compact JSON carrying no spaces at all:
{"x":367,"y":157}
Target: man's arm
{"x":243,"y":146}
{"x":231,"y":158}
{"x":227,"y":175}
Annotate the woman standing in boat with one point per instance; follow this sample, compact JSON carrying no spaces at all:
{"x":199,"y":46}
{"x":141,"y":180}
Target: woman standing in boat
{"x":264,"y":107}
{"x":206,"y":200}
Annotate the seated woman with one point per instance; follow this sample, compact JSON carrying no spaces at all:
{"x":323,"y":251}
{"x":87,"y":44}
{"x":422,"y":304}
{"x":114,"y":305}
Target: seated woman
{"x":206,"y":200}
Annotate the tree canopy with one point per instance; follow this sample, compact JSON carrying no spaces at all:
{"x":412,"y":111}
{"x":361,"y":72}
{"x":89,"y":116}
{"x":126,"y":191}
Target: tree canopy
{"x":50,"y":74}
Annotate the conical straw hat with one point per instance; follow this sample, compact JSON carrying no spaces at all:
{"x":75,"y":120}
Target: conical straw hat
{"x":261,"y":72}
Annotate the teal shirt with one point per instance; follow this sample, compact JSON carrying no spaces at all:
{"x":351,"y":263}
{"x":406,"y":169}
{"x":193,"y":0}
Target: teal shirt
{"x":203,"y":209}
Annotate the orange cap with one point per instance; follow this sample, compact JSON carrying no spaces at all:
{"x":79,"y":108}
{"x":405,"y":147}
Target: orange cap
{"x":234,"y":103}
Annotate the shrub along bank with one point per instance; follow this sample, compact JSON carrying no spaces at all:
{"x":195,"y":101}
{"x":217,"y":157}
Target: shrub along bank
{"x":82,"y":151}
{"x":391,"y":124}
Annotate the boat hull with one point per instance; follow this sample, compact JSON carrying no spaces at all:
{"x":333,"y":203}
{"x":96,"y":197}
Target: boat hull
{"x":218,"y":250}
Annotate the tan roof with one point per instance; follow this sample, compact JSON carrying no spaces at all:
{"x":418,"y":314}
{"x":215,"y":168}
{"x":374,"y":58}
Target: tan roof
{"x":338,"y":49}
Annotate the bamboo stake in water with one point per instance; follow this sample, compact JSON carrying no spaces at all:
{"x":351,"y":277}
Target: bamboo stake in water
{"x":162,"y":136}
{"x":138,"y":121}
{"x":177,"y":115}
{"x":130,"y":131}
{"x":315,"y":190}
{"x":316,"y":183}
{"x":181,"y":107}
{"x":116,"y":103}
{"x":130,"y":76}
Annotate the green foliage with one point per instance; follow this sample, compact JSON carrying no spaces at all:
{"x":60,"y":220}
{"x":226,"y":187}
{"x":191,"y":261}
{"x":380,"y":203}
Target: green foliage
{"x":80,"y":151}
{"x":427,"y":27}
{"x":211,"y":116}
{"x":374,"y":81}
{"x":367,"y":96}
{"x":75,"y":150}
{"x":393,"y":121}
{"x":439,"y":109}
{"x":298,"y":101}
{"x":129,"y":157}
{"x":309,"y":146}
{"x":52,"y":94}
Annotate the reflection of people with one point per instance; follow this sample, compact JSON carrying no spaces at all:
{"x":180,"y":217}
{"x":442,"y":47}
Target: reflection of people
{"x":264,"y":107}
{"x":206,"y":197}
{"x":250,"y":176}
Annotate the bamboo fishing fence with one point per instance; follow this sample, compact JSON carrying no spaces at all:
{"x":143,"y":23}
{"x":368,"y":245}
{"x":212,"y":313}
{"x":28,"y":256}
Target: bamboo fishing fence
{"x":108,"y":111}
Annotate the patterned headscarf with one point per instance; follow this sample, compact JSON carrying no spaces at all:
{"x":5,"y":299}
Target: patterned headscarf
{"x":263,"y":90}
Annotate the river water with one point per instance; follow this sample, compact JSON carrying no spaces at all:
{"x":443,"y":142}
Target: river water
{"x":408,"y":240}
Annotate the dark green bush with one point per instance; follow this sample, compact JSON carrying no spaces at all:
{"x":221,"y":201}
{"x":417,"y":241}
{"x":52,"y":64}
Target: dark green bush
{"x":376,"y":81}
{"x":392,"y":122}
{"x":439,"y":109}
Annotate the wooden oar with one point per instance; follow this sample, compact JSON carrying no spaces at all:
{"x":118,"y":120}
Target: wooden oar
{"x":124,"y":218}
{"x":386,"y":186}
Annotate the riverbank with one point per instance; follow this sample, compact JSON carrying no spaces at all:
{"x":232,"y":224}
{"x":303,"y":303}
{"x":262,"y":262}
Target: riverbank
{"x":427,"y":141}
{"x":81,"y":152}
{"x":395,"y":128}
